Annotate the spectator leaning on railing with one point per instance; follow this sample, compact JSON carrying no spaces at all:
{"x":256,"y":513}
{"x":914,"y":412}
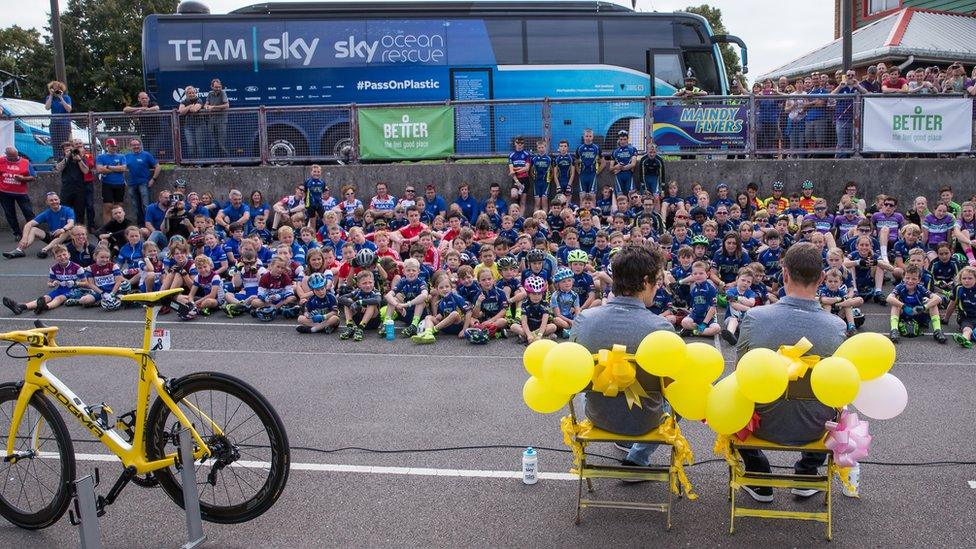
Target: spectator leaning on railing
{"x":894,"y":83}
{"x":147,"y":126}
{"x":216,"y":107}
{"x":844,"y":110}
{"x":191,"y":121}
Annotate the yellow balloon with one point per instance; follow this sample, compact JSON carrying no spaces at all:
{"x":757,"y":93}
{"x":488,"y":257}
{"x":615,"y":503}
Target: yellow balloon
{"x":704,"y":363}
{"x":662,"y":353}
{"x":835,"y":381}
{"x":871,"y":353}
{"x":534,"y":355}
{"x":688,"y":397}
{"x":762,"y":375}
{"x":539,"y":398}
{"x":727,"y":410}
{"x":568,"y":368}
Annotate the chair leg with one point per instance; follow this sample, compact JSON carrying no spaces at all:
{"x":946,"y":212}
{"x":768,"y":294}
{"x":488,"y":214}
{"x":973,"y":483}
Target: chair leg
{"x":579,"y":495}
{"x":731,"y":507}
{"x":669,"y":499}
{"x":830,"y":510}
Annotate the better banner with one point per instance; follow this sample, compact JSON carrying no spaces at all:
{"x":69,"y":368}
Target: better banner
{"x":409,"y":133}
{"x":917,"y":124}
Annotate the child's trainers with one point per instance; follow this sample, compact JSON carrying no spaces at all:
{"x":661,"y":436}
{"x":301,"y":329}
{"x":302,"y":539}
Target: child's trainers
{"x":939,"y":336}
{"x":14,"y":307}
{"x":205,"y":311}
{"x":302,"y":329}
{"x":357,"y":333}
{"x":345,"y":332}
{"x":409,"y":331}
{"x":425,"y":338}
{"x":329,"y":329}
{"x":72,"y":302}
{"x":894,"y":336}
{"x":962,"y":341}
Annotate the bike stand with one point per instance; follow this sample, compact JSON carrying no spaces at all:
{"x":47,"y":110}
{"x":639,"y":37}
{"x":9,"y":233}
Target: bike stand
{"x":85,"y":513}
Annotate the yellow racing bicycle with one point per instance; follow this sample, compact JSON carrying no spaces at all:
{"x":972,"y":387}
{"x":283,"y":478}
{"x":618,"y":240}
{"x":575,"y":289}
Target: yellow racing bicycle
{"x":241,"y":453}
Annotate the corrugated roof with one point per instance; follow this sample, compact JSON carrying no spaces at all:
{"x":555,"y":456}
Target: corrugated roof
{"x":924,"y":33}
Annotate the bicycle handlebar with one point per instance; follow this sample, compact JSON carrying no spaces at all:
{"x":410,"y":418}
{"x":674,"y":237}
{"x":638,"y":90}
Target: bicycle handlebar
{"x":24,"y":336}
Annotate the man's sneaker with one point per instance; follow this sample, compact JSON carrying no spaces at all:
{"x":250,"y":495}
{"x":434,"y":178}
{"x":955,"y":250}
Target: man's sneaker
{"x":41,"y":254}
{"x":302,"y":329}
{"x":357,"y":333}
{"x":13,"y":254}
{"x":804,"y":492}
{"x":409,"y":331}
{"x":762,"y":494}
{"x":729,"y":337}
{"x":345,"y":332}
{"x":71,"y":302}
{"x":329,"y":329}
{"x":628,"y":463}
{"x":958,"y":338}
{"x":15,"y":308}
{"x":939,"y":336}
{"x":894,"y":336}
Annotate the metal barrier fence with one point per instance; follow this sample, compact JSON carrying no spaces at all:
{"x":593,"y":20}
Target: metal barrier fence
{"x":763,"y":126}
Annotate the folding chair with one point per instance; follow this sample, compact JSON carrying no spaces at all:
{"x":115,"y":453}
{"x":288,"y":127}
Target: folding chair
{"x":578,"y":434}
{"x":739,"y":477}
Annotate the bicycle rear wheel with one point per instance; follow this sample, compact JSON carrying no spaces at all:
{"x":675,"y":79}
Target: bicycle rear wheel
{"x":248,"y":467}
{"x":35,"y":489}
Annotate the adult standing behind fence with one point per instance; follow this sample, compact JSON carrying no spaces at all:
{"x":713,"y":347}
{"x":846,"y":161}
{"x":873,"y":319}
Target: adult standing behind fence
{"x":191,"y":121}
{"x":143,"y":171}
{"x":216,"y":123}
{"x":15,"y":173}
{"x":147,"y":124}
{"x":73,"y":168}
{"x":59,"y":103}
{"x":844,"y":111}
{"x":111,"y":166}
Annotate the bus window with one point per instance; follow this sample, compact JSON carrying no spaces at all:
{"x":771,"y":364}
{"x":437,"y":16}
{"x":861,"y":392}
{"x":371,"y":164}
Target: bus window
{"x":506,"y":40}
{"x":703,"y":63}
{"x":667,"y":67}
{"x":626,"y":41}
{"x":547,"y":41}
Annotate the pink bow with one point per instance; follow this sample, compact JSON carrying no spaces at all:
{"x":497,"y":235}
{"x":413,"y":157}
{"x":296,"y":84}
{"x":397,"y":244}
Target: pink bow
{"x":848,"y":439}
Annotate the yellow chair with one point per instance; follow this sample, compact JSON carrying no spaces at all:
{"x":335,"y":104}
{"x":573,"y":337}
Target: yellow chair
{"x":729,"y":446}
{"x":578,"y":434}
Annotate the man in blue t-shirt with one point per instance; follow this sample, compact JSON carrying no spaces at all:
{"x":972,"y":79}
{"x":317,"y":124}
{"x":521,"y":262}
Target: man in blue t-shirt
{"x":623,"y":160}
{"x":235,"y":214}
{"x":433,"y":203}
{"x":111,"y":166}
{"x":816,"y":120}
{"x":59,"y":220}
{"x":469,"y":206}
{"x":143,"y":171}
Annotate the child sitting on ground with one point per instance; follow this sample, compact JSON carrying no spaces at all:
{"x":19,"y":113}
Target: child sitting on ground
{"x":320,"y":308}
{"x":360,"y":307}
{"x":964,"y":301}
{"x":449,"y":312}
{"x":836,"y":298}
{"x":207,"y":293}
{"x":408,"y":298}
{"x":64,"y":276}
{"x":913,"y":307}
{"x":536,"y":313}
{"x":739,"y":298}
{"x":701,"y":320}
{"x":488,"y":313}
{"x":103,"y":278}
{"x":564,"y":302}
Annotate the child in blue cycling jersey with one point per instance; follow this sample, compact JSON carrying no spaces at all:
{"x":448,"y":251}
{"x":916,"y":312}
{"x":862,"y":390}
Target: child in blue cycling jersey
{"x":565,"y":169}
{"x":360,"y":307}
{"x":320,"y":313}
{"x":739,"y":298}
{"x":679,"y":278}
{"x":661,"y":305}
{"x":913,"y":307}
{"x":408,"y":298}
{"x":449,"y":312}
{"x":130,"y":254}
{"x":490,"y":306}
{"x":964,"y":303}
{"x":564,"y":302}
{"x":910,"y":240}
{"x":701,"y":321}
{"x":582,"y":281}
{"x":836,"y":298}
{"x":540,"y":165}
{"x":536,"y":314}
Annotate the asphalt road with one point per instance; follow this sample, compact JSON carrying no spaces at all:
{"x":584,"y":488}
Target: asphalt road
{"x":395,"y":396}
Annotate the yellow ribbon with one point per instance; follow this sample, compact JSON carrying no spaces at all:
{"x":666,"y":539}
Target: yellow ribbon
{"x":843,"y":474}
{"x":723,"y":447}
{"x":571,"y":432}
{"x":797,"y":364}
{"x":614,"y":373}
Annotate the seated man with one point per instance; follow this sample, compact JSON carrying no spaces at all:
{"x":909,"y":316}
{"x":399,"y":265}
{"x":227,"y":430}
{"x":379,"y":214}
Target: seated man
{"x":625,"y":320}
{"x":59,"y":220}
{"x":799,"y":418}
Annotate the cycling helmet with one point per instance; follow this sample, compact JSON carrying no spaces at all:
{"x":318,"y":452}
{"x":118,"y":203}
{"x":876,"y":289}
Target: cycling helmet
{"x":466,"y":258}
{"x":807,"y":184}
{"x":179,"y":183}
{"x":365,"y":258}
{"x":291,"y":311}
{"x":699,"y":240}
{"x":110,"y":302}
{"x":960,"y":259}
{"x":316,"y":281}
{"x":533,"y":256}
{"x":265,"y":314}
{"x":777,"y":185}
{"x":477,"y":336}
{"x":535,"y":285}
{"x":577,"y":256}
{"x":507,"y":262}
{"x":195,"y":241}
{"x":125,"y":287}
{"x":187,"y":312}
{"x":562,"y":274}
{"x":858,"y":317}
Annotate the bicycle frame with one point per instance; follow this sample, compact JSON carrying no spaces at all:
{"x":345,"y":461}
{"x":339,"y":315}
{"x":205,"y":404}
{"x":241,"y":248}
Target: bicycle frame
{"x":42,"y":347}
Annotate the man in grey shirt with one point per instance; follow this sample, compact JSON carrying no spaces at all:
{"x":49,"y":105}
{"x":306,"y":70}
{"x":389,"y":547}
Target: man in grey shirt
{"x":625,"y":320}
{"x":216,"y":107}
{"x":798,"y":417}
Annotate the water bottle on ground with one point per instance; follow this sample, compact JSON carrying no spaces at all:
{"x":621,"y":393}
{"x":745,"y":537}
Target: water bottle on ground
{"x":388,"y":325}
{"x":530,"y":466}
{"x":854,"y":477}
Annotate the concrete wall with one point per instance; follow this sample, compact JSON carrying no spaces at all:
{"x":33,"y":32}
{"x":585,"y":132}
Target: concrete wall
{"x":904,"y":178}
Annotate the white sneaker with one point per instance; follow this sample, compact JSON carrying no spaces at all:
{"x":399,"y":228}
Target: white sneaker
{"x":804,"y":492}
{"x":762,"y":494}
{"x":621,"y":447}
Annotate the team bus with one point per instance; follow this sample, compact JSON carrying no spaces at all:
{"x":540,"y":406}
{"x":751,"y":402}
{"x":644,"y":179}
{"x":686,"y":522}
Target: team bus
{"x":311,"y":53}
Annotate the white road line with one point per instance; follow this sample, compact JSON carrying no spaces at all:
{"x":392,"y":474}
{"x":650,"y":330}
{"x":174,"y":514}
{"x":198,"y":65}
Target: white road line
{"x":342,"y":353}
{"x":366,"y":469}
{"x":972,"y":484}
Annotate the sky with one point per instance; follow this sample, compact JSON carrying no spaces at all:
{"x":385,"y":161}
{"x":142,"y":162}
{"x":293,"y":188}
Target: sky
{"x":773,"y":35}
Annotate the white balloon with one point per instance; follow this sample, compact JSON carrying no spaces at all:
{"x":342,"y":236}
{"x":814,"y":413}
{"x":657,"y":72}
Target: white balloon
{"x":882,"y":398}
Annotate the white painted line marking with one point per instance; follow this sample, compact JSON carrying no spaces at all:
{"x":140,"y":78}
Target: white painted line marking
{"x":972,"y":484}
{"x":361,"y":469}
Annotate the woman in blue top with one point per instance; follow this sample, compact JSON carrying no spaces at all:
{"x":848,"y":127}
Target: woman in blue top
{"x":256,"y":206}
{"x":58,"y":102}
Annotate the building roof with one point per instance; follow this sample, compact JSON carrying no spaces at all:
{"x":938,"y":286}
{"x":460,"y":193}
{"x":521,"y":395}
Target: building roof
{"x":929,"y":36}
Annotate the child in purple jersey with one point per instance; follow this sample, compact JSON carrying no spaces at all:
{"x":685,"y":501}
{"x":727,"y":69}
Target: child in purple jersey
{"x":965,"y":230}
{"x":887,"y":222}
{"x":63,"y":278}
{"x":936,"y":228}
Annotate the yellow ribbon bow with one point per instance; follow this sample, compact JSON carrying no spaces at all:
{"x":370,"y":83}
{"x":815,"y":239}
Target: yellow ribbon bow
{"x":615,"y":372}
{"x":798,"y":364}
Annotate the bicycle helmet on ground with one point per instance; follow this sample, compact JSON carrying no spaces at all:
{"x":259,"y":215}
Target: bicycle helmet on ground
{"x":477,"y":336}
{"x":110,"y":302}
{"x":562,"y":274}
{"x":578,"y":256}
{"x":533,"y":256}
{"x":291,"y":311}
{"x":365,"y":258}
{"x":125,"y":287}
{"x":316,"y":281}
{"x":265,"y":314}
{"x":535,"y":285}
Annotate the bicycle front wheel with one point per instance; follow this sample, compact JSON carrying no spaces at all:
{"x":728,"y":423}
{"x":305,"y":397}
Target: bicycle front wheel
{"x":34,"y":488}
{"x":249,"y":461}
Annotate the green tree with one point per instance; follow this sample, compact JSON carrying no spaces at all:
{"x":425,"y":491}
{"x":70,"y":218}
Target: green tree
{"x":22,"y":53}
{"x":714,"y":17}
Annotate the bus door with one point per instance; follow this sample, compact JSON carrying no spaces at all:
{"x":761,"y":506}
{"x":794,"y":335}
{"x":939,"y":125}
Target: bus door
{"x":474,"y":130}
{"x":667,"y":75}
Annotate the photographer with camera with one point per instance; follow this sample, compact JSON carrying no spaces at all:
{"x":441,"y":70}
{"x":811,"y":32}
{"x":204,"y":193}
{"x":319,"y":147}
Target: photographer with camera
{"x":59,"y":103}
{"x":73,"y":166}
{"x":167,"y":217}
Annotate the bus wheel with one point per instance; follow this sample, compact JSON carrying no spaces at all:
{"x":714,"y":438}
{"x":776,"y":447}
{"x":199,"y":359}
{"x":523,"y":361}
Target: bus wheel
{"x":284,"y":145}
{"x":337,"y":141}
